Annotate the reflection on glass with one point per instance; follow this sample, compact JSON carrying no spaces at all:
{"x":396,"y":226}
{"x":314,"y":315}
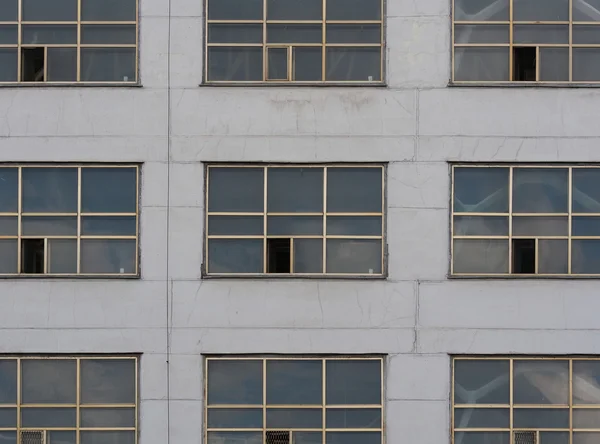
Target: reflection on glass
{"x":481,"y":33}
{"x":62,"y":65}
{"x":554,"y":64}
{"x":540,"y":226}
{"x":362,"y":256}
{"x":42,"y":10}
{"x":235,"y":9}
{"x":105,"y":417}
{"x":586,"y":10}
{"x":294,"y":225}
{"x":480,"y":226}
{"x":48,"y":417}
{"x":49,"y":190}
{"x":8,"y":64}
{"x":108,"y":437}
{"x":554,"y":437}
{"x":545,"y":34}
{"x":486,"y":256}
{"x":308,"y":256}
{"x":49,"y":34}
{"x":586,"y":418}
{"x":294,"y":418}
{"x":308,"y":438}
{"x":109,"y":225}
{"x":481,"y":190}
{"x":287,"y":33}
{"x":48,"y":381}
{"x":482,"y":437}
{"x":7,"y":437}
{"x":586,"y":382}
{"x":236,"y":225}
{"x":294,"y":382}
{"x":62,"y":256}
{"x":8,"y":418}
{"x":108,"y":190}
{"x":295,"y":190}
{"x":353,"y":382}
{"x":354,"y":225}
{"x":553,"y":256}
{"x":481,"y":10}
{"x":9,"y":188}
{"x":8,"y":381}
{"x":307,"y":64}
{"x":108,"y":64}
{"x":108,"y":34}
{"x":48,"y":226}
{"x":552,"y":10}
{"x":9,"y":11}
{"x":353,"y":418}
{"x":9,"y":226}
{"x":61,"y":437}
{"x":354,"y":33}
{"x":353,"y":9}
{"x":294,"y":10}
{"x":481,"y":418}
{"x":585,"y":256}
{"x":235,"y":255}
{"x":236,"y":189}
{"x":354,"y":190}
{"x":481,"y":381}
{"x":586,"y":64}
{"x":278,"y":63}
{"x":8,"y":256}
{"x":235,"y":382}
{"x":541,"y":382}
{"x":235,"y":418}
{"x":108,"y":381}
{"x":233,"y":437}
{"x":353,"y":438}
{"x":235,"y":33}
{"x":541,"y":418}
{"x":540,"y":190}
{"x":353,"y":64}
{"x":480,"y":64}
{"x":108,"y":10}
{"x":235,"y":64}
{"x":116,"y":256}
{"x":586,"y":437}
{"x":586,"y":192}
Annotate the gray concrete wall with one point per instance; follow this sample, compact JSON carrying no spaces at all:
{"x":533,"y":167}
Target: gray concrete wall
{"x":416,"y":316}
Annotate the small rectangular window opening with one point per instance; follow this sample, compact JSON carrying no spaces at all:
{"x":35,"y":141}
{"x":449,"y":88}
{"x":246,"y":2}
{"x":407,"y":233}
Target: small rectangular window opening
{"x":279,"y":256}
{"x":33,"y":64}
{"x":523,"y":260}
{"x":33,"y":437}
{"x":278,"y":64}
{"x":278,"y":437}
{"x":525,"y":64}
{"x":33,"y":253}
{"x":529,"y":437}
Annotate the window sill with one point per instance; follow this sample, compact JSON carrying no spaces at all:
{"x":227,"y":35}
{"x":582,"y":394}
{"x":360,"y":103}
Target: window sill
{"x":513,"y":277}
{"x":296,"y":84}
{"x":522,"y":85}
{"x":71,"y":85}
{"x":18,"y":277}
{"x":266,"y":277}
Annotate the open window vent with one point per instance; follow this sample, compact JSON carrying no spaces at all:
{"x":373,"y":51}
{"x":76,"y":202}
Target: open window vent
{"x":33,"y":437}
{"x":526,"y":438}
{"x":278,"y":437}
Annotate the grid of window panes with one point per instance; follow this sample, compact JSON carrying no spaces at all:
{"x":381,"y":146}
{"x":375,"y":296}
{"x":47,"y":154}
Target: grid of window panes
{"x":537,"y":400}
{"x":295,"y":220}
{"x":524,"y":40}
{"x":68,"y":41}
{"x":294,"y":400}
{"x":68,"y":400}
{"x":300,"y":41}
{"x":528,"y":220}
{"x":69,"y":220}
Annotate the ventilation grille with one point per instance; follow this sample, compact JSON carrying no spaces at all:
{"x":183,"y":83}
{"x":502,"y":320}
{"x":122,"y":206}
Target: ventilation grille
{"x":33,"y":437}
{"x":278,"y":437}
{"x":525,"y":438}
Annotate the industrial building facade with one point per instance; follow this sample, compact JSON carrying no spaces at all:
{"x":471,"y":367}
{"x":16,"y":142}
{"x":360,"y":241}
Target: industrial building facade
{"x":299,"y":222}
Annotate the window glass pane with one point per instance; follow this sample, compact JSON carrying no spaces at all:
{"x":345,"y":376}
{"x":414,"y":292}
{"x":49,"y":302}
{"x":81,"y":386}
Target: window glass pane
{"x":586,"y":382}
{"x":586,"y":34}
{"x":292,"y":190}
{"x":586,"y":418}
{"x":554,"y":437}
{"x":108,"y":10}
{"x":484,"y":256}
{"x":308,"y":256}
{"x":294,"y":382}
{"x":48,"y":417}
{"x":8,"y":437}
{"x":235,"y":33}
{"x":48,"y":381}
{"x":61,"y":437}
{"x":541,"y":418}
{"x":481,"y":10}
{"x":235,"y":9}
{"x":49,"y":226}
{"x":353,"y":382}
{"x":482,"y":437}
{"x":541,"y":33}
{"x":235,"y":64}
{"x":294,"y":225}
{"x":108,"y":381}
{"x":8,"y":65}
{"x":541,"y":382}
{"x":354,"y":225}
{"x":43,"y":10}
{"x":108,"y":190}
{"x":109,"y":225}
{"x":104,"y":417}
{"x":50,"y":34}
{"x":554,"y":64}
{"x":235,"y":418}
{"x":535,"y":10}
{"x":480,"y":226}
{"x":108,"y":437}
{"x":62,"y":256}
{"x":9,"y":226}
{"x":8,"y":381}
{"x":8,"y":418}
{"x":294,"y":10}
{"x":108,"y":34}
{"x":585,"y":256}
{"x":357,"y":256}
{"x":481,"y":381}
{"x":108,"y":255}
{"x":481,"y":190}
{"x":9,"y":11}
{"x":234,"y":437}
{"x":540,"y":190}
{"x":354,"y":64}
{"x":481,"y":64}
{"x":586,"y":190}
{"x":307,"y":64}
{"x":294,"y":418}
{"x":353,"y":418}
{"x":481,"y":418}
{"x":235,"y":225}
{"x":586,"y":64}
{"x":308,"y":438}
{"x":481,"y":33}
{"x":235,"y":255}
{"x":8,"y":256}
{"x":586,"y":10}
{"x":353,"y":438}
{"x":585,"y":226}
{"x":354,"y":190}
{"x":9,"y":34}
{"x":287,"y":33}
{"x":108,"y":64}
{"x":236,"y":189}
{"x":278,"y":64}
{"x":49,"y":190}
{"x":62,"y":64}
{"x":540,"y":226}
{"x":235,"y":382}
{"x":9,"y":188}
{"x":353,"y":9}
{"x":553,"y":256}
{"x":586,"y":438}
{"x":355,"y":33}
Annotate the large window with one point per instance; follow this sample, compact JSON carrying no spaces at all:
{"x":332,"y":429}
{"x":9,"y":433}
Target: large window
{"x":551,"y":41}
{"x":300,"y":41}
{"x":526,"y":221}
{"x":68,"y":400}
{"x":295,"y":220}
{"x":68,"y":41}
{"x":68,"y":220}
{"x":294,"y":400}
{"x":535,"y":400}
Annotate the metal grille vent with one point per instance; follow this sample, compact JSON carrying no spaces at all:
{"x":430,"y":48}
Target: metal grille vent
{"x":278,"y":437}
{"x":33,"y":437}
{"x":525,"y":438}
